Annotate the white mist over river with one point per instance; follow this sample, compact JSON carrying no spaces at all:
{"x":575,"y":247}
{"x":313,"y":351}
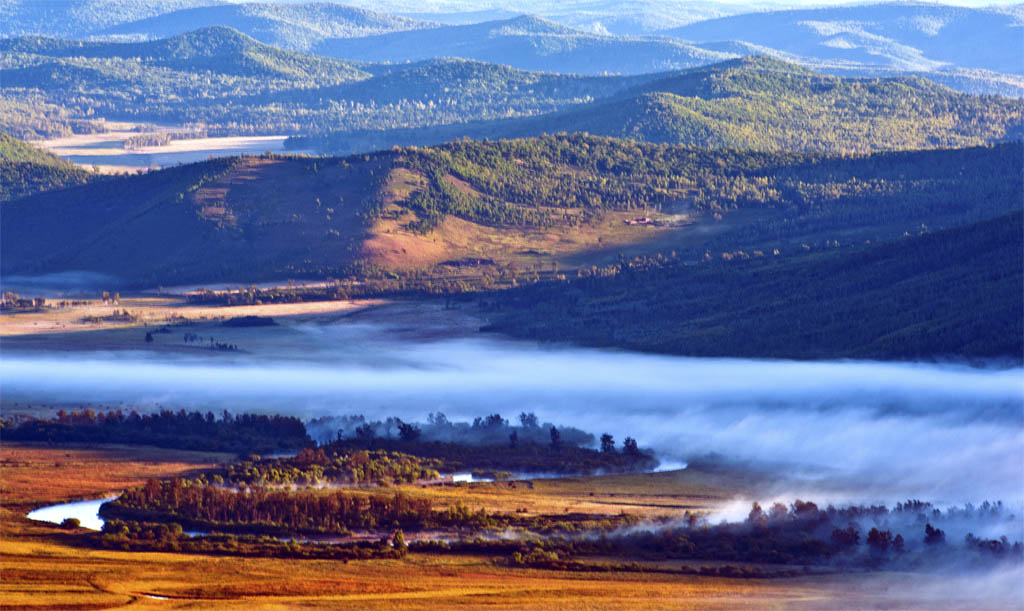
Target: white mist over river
{"x":861,"y":431}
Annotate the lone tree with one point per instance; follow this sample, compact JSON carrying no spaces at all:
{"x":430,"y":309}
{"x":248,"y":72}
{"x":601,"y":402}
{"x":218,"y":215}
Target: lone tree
{"x":398,"y":542}
{"x":607,"y":443}
{"x":556,"y":438}
{"x":630,"y":448}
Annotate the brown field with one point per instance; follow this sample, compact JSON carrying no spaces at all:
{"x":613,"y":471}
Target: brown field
{"x":54,"y":320}
{"x":41,"y":570}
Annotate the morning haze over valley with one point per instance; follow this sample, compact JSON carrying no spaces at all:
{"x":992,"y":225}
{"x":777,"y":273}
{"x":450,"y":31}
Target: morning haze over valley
{"x":598,"y":304}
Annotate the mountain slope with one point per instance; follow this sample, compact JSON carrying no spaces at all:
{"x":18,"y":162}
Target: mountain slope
{"x":906,"y":35}
{"x":757,"y":103}
{"x":26,"y":170}
{"x":953,"y":293}
{"x":489,"y":213}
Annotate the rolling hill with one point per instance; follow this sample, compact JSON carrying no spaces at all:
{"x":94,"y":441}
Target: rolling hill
{"x":755,"y":103}
{"x":236,"y":85}
{"x":26,"y":170}
{"x":490,"y":214}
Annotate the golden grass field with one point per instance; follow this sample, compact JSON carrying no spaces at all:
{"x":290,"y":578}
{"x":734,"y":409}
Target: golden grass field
{"x":40,"y":570}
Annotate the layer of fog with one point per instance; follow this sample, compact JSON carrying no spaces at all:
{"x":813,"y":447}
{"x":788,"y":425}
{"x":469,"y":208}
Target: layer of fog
{"x":831,"y":431}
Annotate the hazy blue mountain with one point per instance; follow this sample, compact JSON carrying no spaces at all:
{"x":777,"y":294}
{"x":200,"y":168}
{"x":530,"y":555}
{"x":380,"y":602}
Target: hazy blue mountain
{"x":292,"y":26}
{"x":529,"y":43}
{"x":908,"y":35}
{"x":620,"y":17}
{"x":216,"y":49}
{"x":78,"y":18}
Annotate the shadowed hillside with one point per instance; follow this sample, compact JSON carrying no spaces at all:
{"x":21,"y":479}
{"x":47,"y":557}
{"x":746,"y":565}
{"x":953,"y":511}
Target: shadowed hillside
{"x":493,"y":214}
{"x":953,"y":293}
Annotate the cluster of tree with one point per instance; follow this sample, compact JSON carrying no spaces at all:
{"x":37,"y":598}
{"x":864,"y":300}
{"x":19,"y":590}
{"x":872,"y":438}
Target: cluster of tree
{"x":241,"y":433}
{"x":11,"y":301}
{"x":487,"y":444}
{"x":522,"y":458}
{"x":131,"y":535}
{"x":211,"y":343}
{"x":855,"y":536}
{"x":122,"y":315}
{"x":316,"y":466}
{"x":209,"y":507}
{"x":490,"y":430}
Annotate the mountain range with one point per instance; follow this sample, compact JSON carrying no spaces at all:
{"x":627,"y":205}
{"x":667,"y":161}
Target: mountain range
{"x":978,"y":50}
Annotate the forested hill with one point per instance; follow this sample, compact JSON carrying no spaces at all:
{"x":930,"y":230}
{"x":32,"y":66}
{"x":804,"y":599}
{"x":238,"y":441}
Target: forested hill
{"x":494,"y":213}
{"x":754,"y":103}
{"x":25,"y":170}
{"x":952,"y":293}
{"x":235,"y":85}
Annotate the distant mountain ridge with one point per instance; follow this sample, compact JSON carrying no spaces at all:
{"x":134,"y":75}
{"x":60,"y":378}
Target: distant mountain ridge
{"x":298,"y":27}
{"x":237,"y":85}
{"x":970,"y":49}
{"x":908,"y":36}
{"x":755,"y":103}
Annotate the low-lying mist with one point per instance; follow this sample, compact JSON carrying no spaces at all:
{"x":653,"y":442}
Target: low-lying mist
{"x":831,"y":431}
